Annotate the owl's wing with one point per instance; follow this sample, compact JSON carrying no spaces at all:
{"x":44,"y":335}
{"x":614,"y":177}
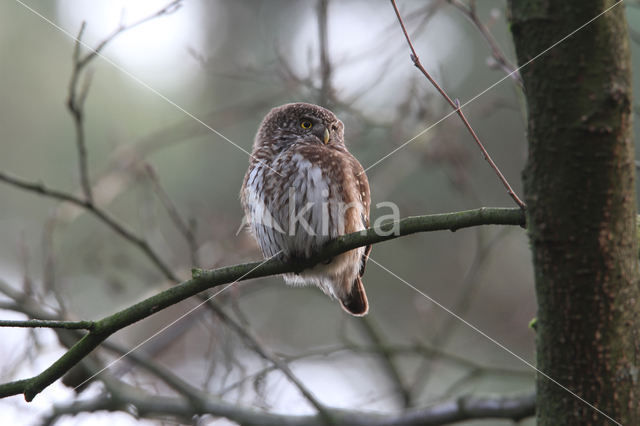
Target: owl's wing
{"x":363,"y":188}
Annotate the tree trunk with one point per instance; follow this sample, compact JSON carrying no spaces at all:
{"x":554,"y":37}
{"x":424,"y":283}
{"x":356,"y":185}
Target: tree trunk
{"x":579,"y":188}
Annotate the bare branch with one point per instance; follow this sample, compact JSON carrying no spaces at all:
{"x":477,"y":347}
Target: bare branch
{"x":386,"y":357}
{"x":465,"y":408}
{"x":39,"y":323}
{"x":264,"y":353}
{"x":102,"y":215}
{"x":471,"y":14}
{"x":456,"y":106}
{"x":325,"y":64}
{"x":186,"y":229}
{"x":482,"y":253}
{"x":206,"y":279}
{"x":27,"y":305}
{"x":77,"y":96}
{"x":75,"y":104}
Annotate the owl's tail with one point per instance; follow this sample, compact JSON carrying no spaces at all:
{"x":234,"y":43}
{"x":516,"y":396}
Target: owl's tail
{"x":356,"y":302}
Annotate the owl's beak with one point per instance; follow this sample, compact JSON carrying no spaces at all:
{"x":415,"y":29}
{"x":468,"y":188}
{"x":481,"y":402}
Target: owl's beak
{"x":327,"y":135}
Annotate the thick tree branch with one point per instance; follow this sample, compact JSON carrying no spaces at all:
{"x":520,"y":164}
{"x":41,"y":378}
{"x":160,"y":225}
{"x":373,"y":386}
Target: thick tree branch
{"x":205,"y":279}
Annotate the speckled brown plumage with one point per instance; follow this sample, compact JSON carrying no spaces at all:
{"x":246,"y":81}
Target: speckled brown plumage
{"x":303,"y":188}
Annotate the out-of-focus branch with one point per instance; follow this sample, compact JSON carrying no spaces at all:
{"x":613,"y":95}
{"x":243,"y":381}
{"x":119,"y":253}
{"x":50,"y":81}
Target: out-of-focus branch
{"x":456,"y":106}
{"x":470,"y":12}
{"x":102,"y":215}
{"x":205,"y":279}
{"x":78,"y":92}
{"x":325,"y":63}
{"x":428,"y":352}
{"x":187,"y":229}
{"x":444,"y":333}
{"x":282,"y":366}
{"x":386,"y":357}
{"x":75,"y":104}
{"x":146,"y":405}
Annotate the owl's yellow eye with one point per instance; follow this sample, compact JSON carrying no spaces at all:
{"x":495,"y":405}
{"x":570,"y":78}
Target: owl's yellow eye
{"x":306,"y":124}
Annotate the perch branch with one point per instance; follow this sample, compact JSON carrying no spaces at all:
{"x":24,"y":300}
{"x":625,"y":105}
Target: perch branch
{"x":205,"y":279}
{"x":456,"y":106}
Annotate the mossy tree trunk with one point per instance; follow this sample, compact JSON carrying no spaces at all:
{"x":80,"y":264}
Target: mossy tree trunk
{"x":580,"y":191}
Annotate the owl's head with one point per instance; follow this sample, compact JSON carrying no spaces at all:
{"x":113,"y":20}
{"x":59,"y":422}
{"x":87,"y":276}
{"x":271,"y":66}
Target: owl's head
{"x":299,"y":122}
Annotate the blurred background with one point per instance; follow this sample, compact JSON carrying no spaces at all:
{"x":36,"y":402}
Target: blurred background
{"x":159,"y":170}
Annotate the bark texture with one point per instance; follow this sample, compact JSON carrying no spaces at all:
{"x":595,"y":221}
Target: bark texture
{"x":579,"y":188}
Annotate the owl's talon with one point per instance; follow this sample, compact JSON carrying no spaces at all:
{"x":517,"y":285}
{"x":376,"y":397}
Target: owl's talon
{"x":299,"y":262}
{"x":283,"y":257}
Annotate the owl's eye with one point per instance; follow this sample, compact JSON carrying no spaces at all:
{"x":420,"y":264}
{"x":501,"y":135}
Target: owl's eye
{"x":306,"y":124}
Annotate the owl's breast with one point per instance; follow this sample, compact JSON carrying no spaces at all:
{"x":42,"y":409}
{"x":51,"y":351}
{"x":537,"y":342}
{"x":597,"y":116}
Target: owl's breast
{"x":302,"y":199}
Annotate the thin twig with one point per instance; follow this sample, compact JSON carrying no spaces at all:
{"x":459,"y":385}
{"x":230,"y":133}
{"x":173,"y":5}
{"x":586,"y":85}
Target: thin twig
{"x":471,"y":14}
{"x":166,"y":10}
{"x":186,"y":229}
{"x":282,"y":366}
{"x":77,"y":97}
{"x":75,"y":104}
{"x":456,"y":106}
{"x":388,"y":363}
{"x":325,"y":63}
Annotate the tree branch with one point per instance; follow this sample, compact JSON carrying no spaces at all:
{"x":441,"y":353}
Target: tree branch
{"x":282,"y":366}
{"x":464,"y":408}
{"x":388,"y":363}
{"x":456,"y":106}
{"x":75,"y":105}
{"x":501,"y":60}
{"x":40,"y":323}
{"x":77,"y":96}
{"x":326,"y":91}
{"x":205,"y":279}
{"x":104,"y":217}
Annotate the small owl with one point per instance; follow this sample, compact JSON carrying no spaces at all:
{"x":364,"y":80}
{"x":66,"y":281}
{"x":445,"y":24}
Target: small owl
{"x":303,"y":188}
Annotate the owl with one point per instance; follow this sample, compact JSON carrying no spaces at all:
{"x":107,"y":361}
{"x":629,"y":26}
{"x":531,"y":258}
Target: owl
{"x":303,"y":188}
